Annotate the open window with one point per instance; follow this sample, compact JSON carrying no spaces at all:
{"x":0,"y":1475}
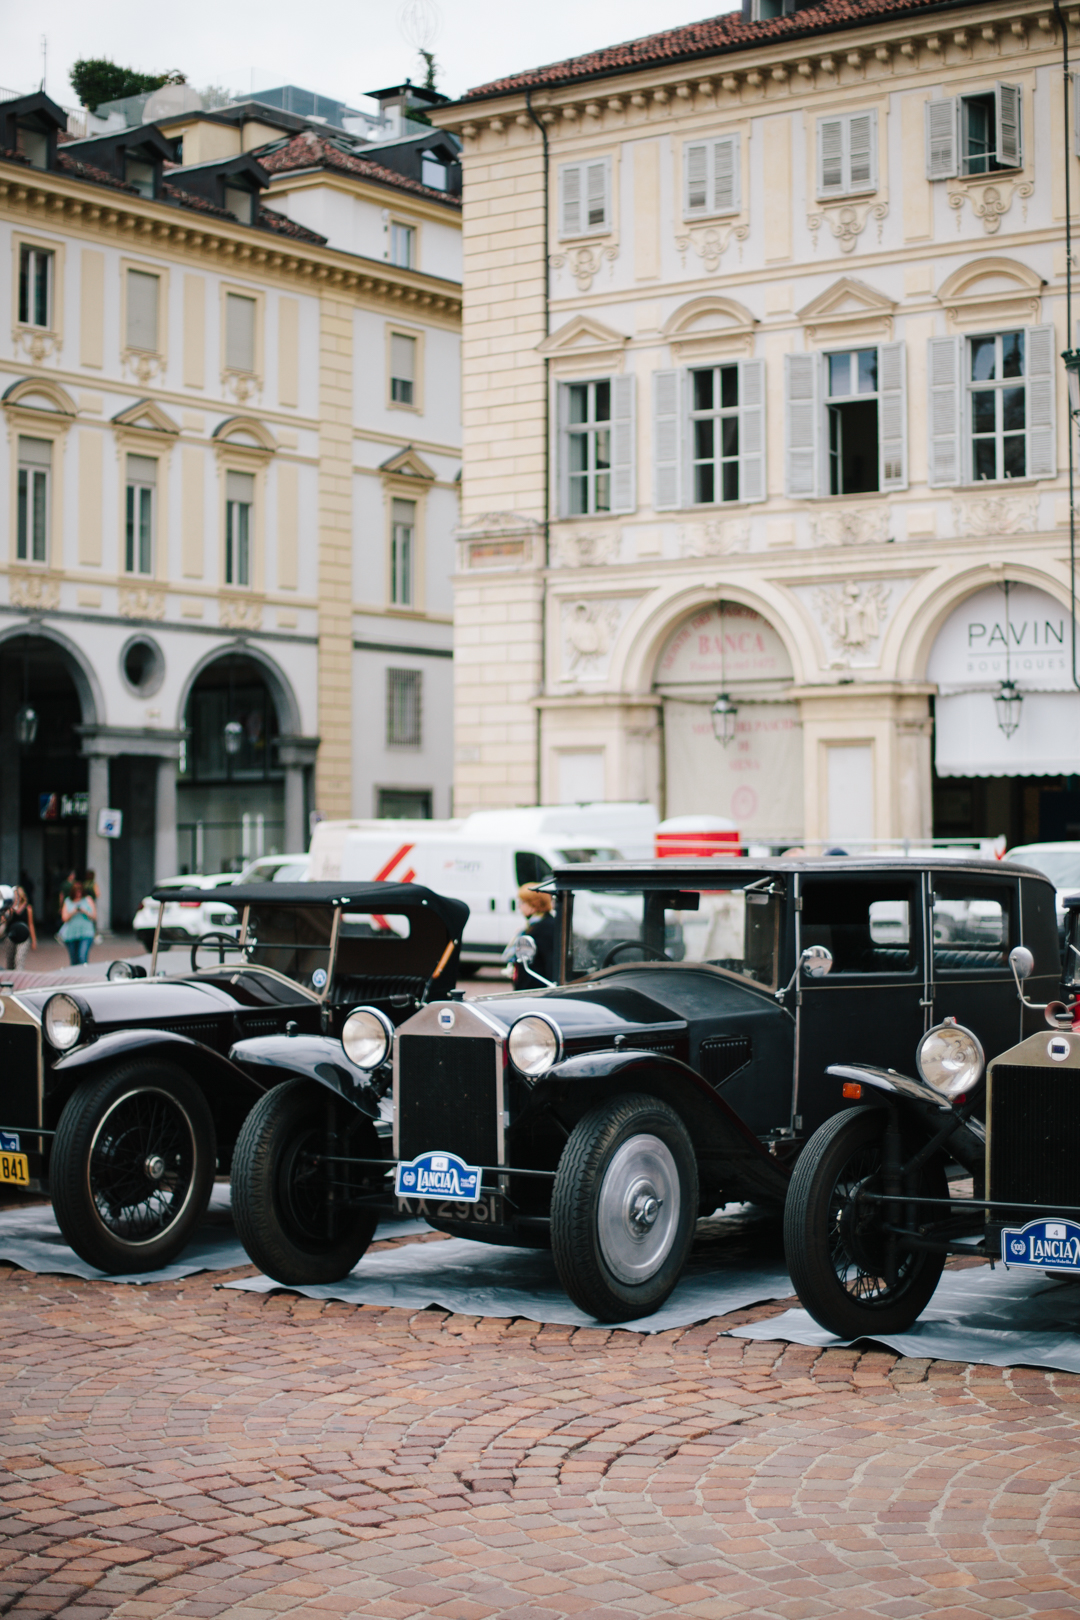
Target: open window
{"x":974,"y":134}
{"x":846,"y":426}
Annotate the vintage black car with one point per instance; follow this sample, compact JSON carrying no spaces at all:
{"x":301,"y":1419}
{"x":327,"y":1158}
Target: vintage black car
{"x":679,"y":1063}
{"x":871,"y":1214}
{"x":124,"y":1099}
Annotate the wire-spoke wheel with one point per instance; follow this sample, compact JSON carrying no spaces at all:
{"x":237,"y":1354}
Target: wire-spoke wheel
{"x":132,"y":1167}
{"x":848,"y":1274}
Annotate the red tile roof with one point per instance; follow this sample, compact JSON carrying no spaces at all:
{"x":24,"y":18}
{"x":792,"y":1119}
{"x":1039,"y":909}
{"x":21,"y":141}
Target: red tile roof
{"x":715,"y":36}
{"x":273,"y":221}
{"x":310,"y":151}
{"x":91,"y":172}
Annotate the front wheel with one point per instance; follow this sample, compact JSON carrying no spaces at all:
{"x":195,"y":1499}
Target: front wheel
{"x":132,"y":1167}
{"x":623,"y":1208}
{"x":295,"y":1208}
{"x":837,"y":1250}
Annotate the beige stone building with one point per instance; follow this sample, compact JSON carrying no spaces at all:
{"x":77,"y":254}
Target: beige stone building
{"x":762,"y":398}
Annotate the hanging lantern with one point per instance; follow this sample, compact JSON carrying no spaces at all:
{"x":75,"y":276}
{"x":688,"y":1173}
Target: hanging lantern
{"x":1007,"y":703}
{"x":234,"y":736}
{"x":723,"y":719}
{"x":26,"y":726}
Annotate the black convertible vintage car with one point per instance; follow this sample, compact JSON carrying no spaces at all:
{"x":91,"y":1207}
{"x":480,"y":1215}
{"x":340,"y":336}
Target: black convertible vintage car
{"x":679,"y":1063}
{"x":123,"y":1099}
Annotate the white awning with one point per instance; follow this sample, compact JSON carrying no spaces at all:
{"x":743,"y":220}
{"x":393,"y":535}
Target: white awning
{"x":969,"y":742}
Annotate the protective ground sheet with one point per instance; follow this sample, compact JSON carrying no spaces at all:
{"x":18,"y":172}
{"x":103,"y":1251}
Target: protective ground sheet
{"x":1000,"y":1318}
{"x":31,"y":1239}
{"x":736,"y":1261}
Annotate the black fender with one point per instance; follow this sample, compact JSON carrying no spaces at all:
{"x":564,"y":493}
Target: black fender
{"x":270,"y":1059}
{"x":917,"y":1101}
{"x":734,"y":1155}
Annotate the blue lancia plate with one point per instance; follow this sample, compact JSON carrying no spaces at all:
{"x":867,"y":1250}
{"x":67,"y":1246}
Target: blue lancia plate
{"x":9,"y":1142}
{"x":439,"y":1175}
{"x":1046,"y":1245}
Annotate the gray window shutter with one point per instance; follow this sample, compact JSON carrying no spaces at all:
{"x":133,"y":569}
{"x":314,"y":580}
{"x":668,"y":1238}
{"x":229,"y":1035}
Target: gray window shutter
{"x":623,"y":495}
{"x":941,"y":141}
{"x":1042,"y":450}
{"x":830,"y":156}
{"x":752,"y":430}
{"x":1007,"y":109}
{"x":892,"y":416}
{"x":142,"y":311}
{"x":800,"y":392}
{"x":597,"y":209}
{"x":667,"y":437}
{"x":1076,"y":113}
{"x":726,"y":174}
{"x":862,"y":128}
{"x":697,"y":178}
{"x":562,"y":448}
{"x":944,"y":411}
{"x":570,"y":199}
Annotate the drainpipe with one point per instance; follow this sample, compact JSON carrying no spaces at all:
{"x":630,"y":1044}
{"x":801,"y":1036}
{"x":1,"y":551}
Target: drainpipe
{"x":547,"y":442}
{"x":1069,"y":338}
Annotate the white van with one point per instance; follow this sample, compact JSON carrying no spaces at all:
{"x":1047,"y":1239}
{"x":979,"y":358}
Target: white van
{"x":484,"y":858}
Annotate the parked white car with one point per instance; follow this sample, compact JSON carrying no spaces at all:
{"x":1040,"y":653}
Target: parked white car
{"x":185,"y":921}
{"x":276,"y":869}
{"x":1061,"y":864}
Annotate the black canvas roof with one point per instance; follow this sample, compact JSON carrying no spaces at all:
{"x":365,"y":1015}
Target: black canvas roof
{"x":372,"y":897}
{"x":673,"y":872}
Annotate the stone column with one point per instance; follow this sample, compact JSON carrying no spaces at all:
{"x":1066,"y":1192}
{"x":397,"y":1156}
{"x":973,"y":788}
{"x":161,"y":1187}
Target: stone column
{"x":296,"y":755}
{"x":165,"y":850}
{"x":98,"y":849}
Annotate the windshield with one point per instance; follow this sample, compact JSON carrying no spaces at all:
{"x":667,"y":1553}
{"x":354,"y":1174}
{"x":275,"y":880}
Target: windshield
{"x":1061,"y":866}
{"x":738,"y":929}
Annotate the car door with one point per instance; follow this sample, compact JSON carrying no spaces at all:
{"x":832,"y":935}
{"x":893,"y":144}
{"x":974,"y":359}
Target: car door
{"x":976,"y":922}
{"x":871,"y":1007}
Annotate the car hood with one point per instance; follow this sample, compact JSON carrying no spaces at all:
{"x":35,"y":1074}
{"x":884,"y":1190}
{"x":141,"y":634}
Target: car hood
{"x":630,"y":1002}
{"x":137,"y":1001}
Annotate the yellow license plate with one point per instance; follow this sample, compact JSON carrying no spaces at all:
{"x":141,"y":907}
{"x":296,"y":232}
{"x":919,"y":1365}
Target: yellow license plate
{"x":15,"y":1167}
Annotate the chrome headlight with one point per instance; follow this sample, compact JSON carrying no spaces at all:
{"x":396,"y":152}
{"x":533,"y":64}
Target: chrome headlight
{"x":63,"y":1022}
{"x":367,"y":1037}
{"x":950,"y":1058}
{"x":120,"y":969}
{"x":535,"y":1044}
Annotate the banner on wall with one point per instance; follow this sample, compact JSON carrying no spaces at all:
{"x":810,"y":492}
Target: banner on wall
{"x":721,"y":646}
{"x":756,"y":780}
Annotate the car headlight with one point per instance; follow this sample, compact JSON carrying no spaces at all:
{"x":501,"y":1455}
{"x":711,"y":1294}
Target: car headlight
{"x":534,"y":1045}
{"x":120,"y":969}
{"x":63,"y":1022}
{"x":950,"y":1058}
{"x":367,"y":1037}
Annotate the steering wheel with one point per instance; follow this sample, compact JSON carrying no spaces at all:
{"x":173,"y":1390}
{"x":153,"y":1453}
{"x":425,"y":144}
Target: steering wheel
{"x":221,"y":939}
{"x":632,"y":945}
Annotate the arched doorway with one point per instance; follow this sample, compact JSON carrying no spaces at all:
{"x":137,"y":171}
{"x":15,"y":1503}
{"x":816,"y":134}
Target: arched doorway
{"x":757,"y":778}
{"x":231,"y":784}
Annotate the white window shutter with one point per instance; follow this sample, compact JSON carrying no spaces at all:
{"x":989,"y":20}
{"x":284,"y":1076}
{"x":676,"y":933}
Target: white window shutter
{"x":941,"y":141}
{"x":862,"y":128}
{"x":697,"y":178}
{"x":623,"y":494}
{"x":1042,"y":449}
{"x":570,"y":199}
{"x":562,"y":447}
{"x":1007,"y":109}
{"x":597,"y":207}
{"x":944,"y":411}
{"x":667,"y":437}
{"x":142,"y":311}
{"x":801,"y":409}
{"x":892,"y":416}
{"x":830,"y":156}
{"x":752,"y":430}
{"x":1076,"y":113}
{"x":726,"y":174}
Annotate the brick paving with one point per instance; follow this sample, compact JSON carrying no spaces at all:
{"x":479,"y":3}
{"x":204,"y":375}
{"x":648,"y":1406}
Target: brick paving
{"x":181,"y":1450}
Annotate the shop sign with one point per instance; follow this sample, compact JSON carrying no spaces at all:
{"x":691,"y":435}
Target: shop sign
{"x":63,"y":806}
{"x":721,"y":646}
{"x":981,"y":643}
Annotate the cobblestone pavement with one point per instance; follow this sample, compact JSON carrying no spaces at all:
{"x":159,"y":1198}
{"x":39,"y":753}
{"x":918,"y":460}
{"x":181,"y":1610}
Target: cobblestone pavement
{"x":177,"y":1449}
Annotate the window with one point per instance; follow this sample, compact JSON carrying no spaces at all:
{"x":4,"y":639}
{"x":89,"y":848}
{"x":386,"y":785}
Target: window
{"x":239,"y":501}
{"x":763,"y":10}
{"x":404,"y":804}
{"x":846,"y":421}
{"x":34,"y":146}
{"x":971,"y":923}
{"x":402,"y":552}
{"x":714,"y":415}
{"x":142,"y":311}
{"x":403,"y":246}
{"x":403,"y":708}
{"x":35,"y":472}
{"x":998,"y":407}
{"x":584,"y":198}
{"x":712,"y":177}
{"x":866,"y":925}
{"x":35,"y":286}
{"x":139,"y":539}
{"x":240,"y":203}
{"x":239,"y":332}
{"x":977,"y":134}
{"x":991,"y":407}
{"x":596,"y":449}
{"x":852,"y":408}
{"x":433,"y":171}
{"x":847,"y":154}
{"x":140,"y":174}
{"x":402,"y":368}
{"x":708,"y":435}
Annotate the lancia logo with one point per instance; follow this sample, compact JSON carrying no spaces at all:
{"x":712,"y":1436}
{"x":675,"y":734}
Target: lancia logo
{"x":446,"y":1017}
{"x":1058,"y":1048}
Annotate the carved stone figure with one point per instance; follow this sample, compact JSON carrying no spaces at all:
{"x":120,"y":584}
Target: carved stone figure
{"x":853,"y":613}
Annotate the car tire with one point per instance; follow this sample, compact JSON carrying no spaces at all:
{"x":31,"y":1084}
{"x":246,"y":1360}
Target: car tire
{"x":280,"y":1210}
{"x":132,"y":1167}
{"x":624,"y":1207}
{"x":834,"y":1258}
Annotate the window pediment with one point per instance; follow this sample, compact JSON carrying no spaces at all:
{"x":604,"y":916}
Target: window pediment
{"x":584,"y":339}
{"x":848,"y":311}
{"x":711,"y":326}
{"x":38,"y":394}
{"x":245,"y":435}
{"x":991,"y":291}
{"x":146,"y":416}
{"x":407,"y":464}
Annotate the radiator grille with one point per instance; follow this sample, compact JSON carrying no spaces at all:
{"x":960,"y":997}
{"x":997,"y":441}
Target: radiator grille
{"x":446,"y":1097}
{"x":723,"y":1056}
{"x":1034,"y":1135}
{"x":19,"y":1069}
{"x":211,"y":1032}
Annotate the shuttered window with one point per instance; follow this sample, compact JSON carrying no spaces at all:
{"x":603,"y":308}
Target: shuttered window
{"x":978,"y":134}
{"x":596,"y":467}
{"x":142,"y":310}
{"x":35,"y":286}
{"x":846,"y":421}
{"x":402,"y":368}
{"x":239,"y":332}
{"x":239,"y":504}
{"x":402,"y":552}
{"x":709,"y":435}
{"x":711,"y":177}
{"x":991,"y":407}
{"x":847,"y":154}
{"x":585,"y":198}
{"x":34,"y":493}
{"x":139,"y":524}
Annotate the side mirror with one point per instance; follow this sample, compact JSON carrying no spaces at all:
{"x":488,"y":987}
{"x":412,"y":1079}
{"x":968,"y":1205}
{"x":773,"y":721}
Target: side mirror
{"x":1022,"y":962}
{"x":524,"y":950}
{"x":816,"y":961}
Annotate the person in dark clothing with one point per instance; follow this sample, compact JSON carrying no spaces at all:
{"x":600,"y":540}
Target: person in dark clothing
{"x":537,"y":908}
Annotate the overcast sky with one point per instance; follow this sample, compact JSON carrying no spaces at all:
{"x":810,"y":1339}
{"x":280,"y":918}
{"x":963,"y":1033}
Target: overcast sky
{"x":339,"y":48}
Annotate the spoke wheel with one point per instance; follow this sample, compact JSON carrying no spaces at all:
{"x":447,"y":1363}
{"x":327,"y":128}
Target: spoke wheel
{"x":132,"y":1167}
{"x":623,"y":1208}
{"x":846,"y":1272}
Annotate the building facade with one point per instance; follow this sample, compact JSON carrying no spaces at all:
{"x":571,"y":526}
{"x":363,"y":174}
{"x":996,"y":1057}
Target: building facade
{"x":230,"y":389}
{"x":763,"y":399}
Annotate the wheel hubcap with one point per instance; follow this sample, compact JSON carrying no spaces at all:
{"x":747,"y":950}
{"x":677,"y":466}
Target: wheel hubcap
{"x":638,"y":1209}
{"x":155,"y":1167}
{"x":142,"y":1164}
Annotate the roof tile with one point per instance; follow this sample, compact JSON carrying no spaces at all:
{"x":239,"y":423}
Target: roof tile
{"x":309,"y":151}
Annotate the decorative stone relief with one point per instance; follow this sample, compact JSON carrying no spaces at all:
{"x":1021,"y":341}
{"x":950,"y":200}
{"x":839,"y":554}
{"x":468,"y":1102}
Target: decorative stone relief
{"x":997,"y":514}
{"x":499,"y":540}
{"x":850,"y":526}
{"x":853,"y":615}
{"x":142,"y":366}
{"x":847,"y":221}
{"x":241,"y":386}
{"x":990,"y":203}
{"x":589,"y":629}
{"x":34,"y":590}
{"x":710,"y":242}
{"x":34,"y":343}
{"x":141,"y":602}
{"x":717,"y":537}
{"x":584,"y":262}
{"x":240,"y":612}
{"x":576,"y":550}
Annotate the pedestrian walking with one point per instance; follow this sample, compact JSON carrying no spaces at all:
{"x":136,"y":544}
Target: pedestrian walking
{"x":78,"y":925}
{"x":21,"y":911}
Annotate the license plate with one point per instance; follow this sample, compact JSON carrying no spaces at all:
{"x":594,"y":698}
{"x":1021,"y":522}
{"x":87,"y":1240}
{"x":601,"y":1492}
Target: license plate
{"x":1047,"y":1245}
{"x":15,"y":1167}
{"x":439,"y":1175}
{"x":485,"y":1211}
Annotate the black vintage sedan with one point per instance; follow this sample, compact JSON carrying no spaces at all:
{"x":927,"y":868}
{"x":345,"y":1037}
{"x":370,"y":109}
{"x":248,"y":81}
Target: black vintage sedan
{"x":124,"y":1099}
{"x":679,"y":1062}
